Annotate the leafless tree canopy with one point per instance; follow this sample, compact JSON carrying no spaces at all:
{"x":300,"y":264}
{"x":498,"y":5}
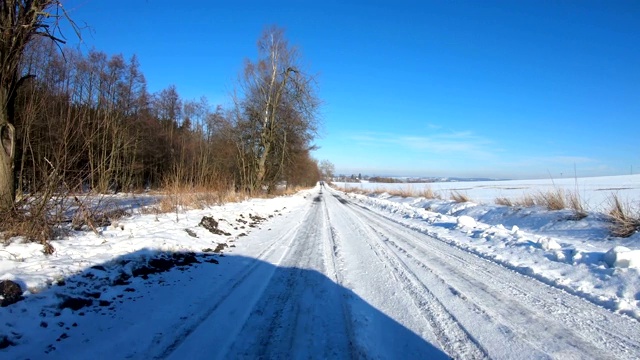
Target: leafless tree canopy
{"x":277,"y":118}
{"x":86,"y":122}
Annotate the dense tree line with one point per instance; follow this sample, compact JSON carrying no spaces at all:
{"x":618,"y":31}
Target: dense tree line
{"x":87,"y":121}
{"x":73,"y":121}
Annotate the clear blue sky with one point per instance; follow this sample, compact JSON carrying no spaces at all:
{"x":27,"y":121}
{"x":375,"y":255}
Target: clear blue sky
{"x":510,"y":89}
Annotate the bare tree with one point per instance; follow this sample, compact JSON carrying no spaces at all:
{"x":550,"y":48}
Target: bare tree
{"x":20,"y":22}
{"x":327,"y":170}
{"x":278,"y":110}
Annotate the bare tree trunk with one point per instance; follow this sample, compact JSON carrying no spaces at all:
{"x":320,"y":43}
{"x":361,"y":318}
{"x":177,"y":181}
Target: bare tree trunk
{"x":20,"y":21}
{"x":7,"y":153}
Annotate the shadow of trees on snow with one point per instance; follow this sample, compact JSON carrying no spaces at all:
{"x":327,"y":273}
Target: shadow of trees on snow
{"x":153,"y":304}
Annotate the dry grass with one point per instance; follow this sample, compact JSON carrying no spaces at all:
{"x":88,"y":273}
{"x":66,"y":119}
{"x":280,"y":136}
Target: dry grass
{"x":35,"y":219}
{"x":552,"y":199}
{"x":180,"y":198}
{"x":428,"y":193}
{"x":504,"y":201}
{"x":289,"y":190}
{"x":625,"y":221}
{"x":404,"y":192}
{"x":575,"y":203}
{"x":175,"y":199}
{"x":357,"y":190}
{"x":560,"y":199}
{"x":459,"y":197}
{"x":36,"y":228}
{"x":361,"y":191}
{"x":526,"y":201}
{"x":40,"y":219}
{"x":557,"y":199}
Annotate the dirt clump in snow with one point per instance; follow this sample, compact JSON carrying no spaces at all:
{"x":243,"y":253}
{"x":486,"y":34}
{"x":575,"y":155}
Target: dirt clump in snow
{"x":211,"y":224}
{"x":10,"y":292}
{"x":163,"y":264}
{"x":185,"y":259}
{"x":219,"y":248}
{"x":253,"y":222}
{"x":257,"y":219}
{"x":75,"y":304}
{"x":5,"y":342}
{"x":122,"y":279}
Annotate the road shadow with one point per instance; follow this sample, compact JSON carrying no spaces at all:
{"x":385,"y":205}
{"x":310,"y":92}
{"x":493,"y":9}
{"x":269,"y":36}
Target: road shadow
{"x":152,"y":304}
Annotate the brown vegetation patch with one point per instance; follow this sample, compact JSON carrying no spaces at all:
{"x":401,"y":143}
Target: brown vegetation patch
{"x":428,"y":193}
{"x":557,"y":199}
{"x":32,"y":227}
{"x":552,"y":199}
{"x":459,"y":197}
{"x":503,"y":201}
{"x":625,"y":221}
{"x":526,"y":201}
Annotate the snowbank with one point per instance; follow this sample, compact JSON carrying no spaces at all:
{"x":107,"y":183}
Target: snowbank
{"x":577,"y":255}
{"x":622,"y":257}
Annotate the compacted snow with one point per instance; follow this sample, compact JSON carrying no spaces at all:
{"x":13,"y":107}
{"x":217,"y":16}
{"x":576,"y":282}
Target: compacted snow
{"x":324,"y":274}
{"x":577,"y":255}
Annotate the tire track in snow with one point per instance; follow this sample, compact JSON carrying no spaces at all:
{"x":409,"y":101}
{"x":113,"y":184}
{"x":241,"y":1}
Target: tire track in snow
{"x":231,"y":286}
{"x":332,"y":257}
{"x":453,"y":338}
{"x":562,"y":311}
{"x":301,"y":312}
{"x":551,"y":320}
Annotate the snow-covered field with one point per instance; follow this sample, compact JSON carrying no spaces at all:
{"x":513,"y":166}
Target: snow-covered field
{"x":326,"y":274}
{"x":594,"y":192}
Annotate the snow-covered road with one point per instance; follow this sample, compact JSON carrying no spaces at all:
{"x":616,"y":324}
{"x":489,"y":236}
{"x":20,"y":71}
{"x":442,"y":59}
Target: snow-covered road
{"x":303,"y":298}
{"x":327,"y":277}
{"x":346,"y":282}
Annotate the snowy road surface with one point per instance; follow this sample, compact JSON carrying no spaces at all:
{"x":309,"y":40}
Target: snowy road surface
{"x":335,"y":280}
{"x":327,"y":278}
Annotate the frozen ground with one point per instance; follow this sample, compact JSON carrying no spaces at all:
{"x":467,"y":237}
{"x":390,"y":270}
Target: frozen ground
{"x":324,"y":274}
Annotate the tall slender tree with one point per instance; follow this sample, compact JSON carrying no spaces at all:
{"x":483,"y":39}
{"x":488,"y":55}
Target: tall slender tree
{"x":20,"y":22}
{"x":279,"y":110}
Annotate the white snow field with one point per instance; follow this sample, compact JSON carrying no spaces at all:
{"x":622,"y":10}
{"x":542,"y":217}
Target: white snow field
{"x":594,"y":192}
{"x":324,"y":274}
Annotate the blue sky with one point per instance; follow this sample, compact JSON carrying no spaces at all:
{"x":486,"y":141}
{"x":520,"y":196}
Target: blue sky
{"x":508,"y":89}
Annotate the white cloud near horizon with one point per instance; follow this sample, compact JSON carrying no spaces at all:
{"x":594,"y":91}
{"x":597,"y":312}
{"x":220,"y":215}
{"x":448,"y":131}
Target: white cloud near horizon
{"x":463,"y":142}
{"x":568,"y":159}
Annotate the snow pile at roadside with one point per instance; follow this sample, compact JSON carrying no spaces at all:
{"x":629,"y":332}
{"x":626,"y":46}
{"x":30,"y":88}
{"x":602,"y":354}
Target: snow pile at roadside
{"x":26,"y":264}
{"x":622,"y":257}
{"x":577,"y":255}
